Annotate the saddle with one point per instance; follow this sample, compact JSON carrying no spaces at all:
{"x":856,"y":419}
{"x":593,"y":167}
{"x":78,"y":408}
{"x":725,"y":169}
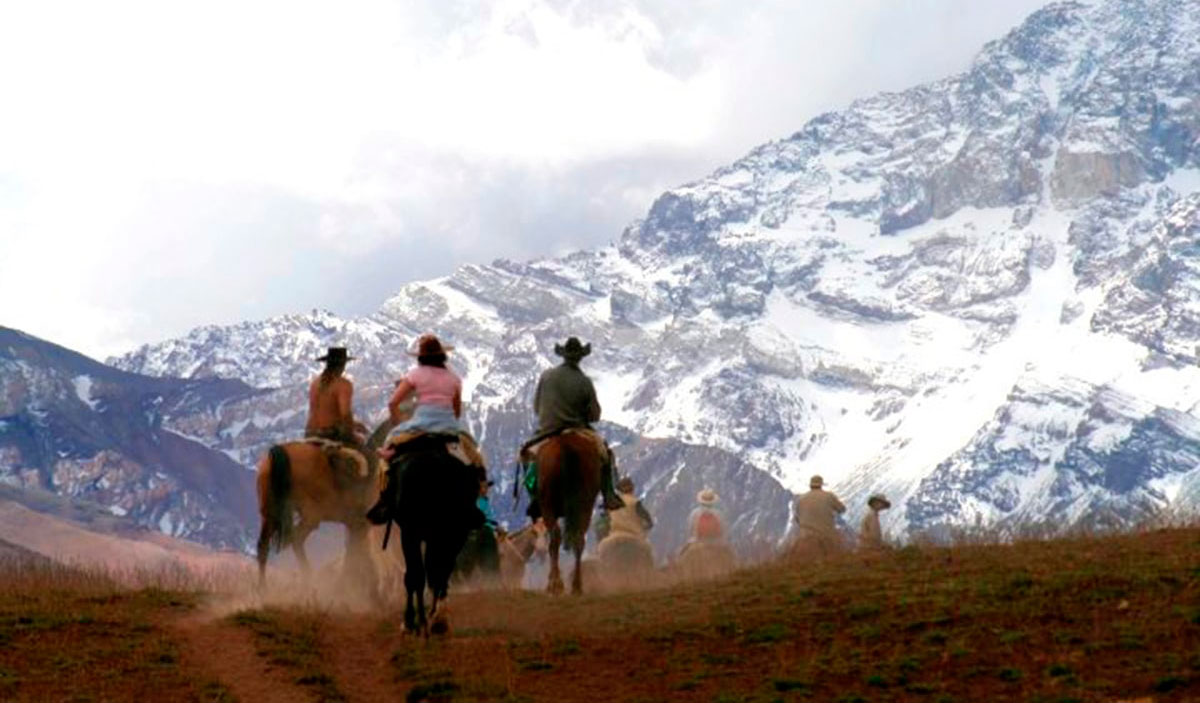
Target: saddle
{"x":461,"y":446}
{"x":343,"y":457}
{"x":530,"y":448}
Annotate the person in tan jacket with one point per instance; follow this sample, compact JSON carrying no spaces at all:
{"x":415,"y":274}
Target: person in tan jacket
{"x":815,"y":514}
{"x":633,"y":519}
{"x":871,"y":536}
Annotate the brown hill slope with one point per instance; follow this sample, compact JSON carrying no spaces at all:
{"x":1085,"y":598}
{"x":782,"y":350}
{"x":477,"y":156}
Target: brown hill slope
{"x":1086,"y":619}
{"x":126,"y":551}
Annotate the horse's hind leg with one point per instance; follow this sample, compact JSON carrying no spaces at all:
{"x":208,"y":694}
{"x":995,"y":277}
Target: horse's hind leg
{"x":577,"y":574}
{"x":555,"y":584}
{"x":303,"y":530}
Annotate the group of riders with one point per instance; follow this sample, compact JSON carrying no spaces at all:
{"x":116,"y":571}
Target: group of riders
{"x":428,"y":400}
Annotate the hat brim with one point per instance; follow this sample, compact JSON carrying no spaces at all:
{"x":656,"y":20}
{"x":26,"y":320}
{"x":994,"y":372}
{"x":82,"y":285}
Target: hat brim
{"x":326,"y":358}
{"x":573,"y":353}
{"x":446,"y":349}
{"x":880,"y":503}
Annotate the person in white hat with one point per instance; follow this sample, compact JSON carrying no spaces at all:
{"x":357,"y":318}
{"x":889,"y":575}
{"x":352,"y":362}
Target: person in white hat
{"x":705,"y":523}
{"x":815,"y":514}
{"x":871,"y":536}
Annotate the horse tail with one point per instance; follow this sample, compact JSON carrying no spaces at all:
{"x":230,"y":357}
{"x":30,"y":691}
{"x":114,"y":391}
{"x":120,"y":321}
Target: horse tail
{"x":572,"y":486}
{"x":277,"y":504}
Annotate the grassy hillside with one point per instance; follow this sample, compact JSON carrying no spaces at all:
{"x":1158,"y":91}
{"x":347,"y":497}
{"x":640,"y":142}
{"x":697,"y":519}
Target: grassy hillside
{"x":1085,"y":619}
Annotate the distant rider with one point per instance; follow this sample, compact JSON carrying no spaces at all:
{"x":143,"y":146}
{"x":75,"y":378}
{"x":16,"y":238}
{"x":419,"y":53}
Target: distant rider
{"x":566,"y":399}
{"x":632,"y":518}
{"x":871,"y":536}
{"x":816,"y":513}
{"x":705,"y":523}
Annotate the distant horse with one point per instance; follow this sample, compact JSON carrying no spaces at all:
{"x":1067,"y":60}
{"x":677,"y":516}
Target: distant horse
{"x":625,"y":560}
{"x":479,"y":559}
{"x":568,"y":467}
{"x":513,"y":551}
{"x":705,"y":560}
{"x":516,"y":549}
{"x":436,"y":510}
{"x":295,"y":479}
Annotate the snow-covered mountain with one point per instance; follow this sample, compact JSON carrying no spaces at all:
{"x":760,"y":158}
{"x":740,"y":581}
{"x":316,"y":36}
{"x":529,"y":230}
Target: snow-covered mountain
{"x":979,"y":296}
{"x":78,"y":429}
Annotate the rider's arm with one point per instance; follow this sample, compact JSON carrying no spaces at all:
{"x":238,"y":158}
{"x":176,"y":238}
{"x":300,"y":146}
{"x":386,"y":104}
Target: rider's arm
{"x":593,"y":403}
{"x":537,"y":398}
{"x":458,"y":402}
{"x":345,"y":411}
{"x":837,"y":504}
{"x":403,"y":390}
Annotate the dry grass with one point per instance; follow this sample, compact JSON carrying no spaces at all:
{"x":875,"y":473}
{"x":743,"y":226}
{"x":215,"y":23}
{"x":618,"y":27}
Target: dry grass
{"x":1083,"y":618}
{"x":74,"y":635}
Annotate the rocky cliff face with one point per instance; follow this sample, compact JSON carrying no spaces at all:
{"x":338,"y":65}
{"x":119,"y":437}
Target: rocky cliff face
{"x":976,"y":295}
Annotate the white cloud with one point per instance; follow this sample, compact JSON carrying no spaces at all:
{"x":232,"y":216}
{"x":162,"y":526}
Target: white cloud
{"x":167,"y":164}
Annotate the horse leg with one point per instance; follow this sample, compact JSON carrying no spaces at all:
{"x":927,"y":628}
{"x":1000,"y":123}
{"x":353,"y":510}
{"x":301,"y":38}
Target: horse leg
{"x":303,"y":530}
{"x":555,"y":584}
{"x":410,"y":611}
{"x":414,"y":580}
{"x":577,"y":574}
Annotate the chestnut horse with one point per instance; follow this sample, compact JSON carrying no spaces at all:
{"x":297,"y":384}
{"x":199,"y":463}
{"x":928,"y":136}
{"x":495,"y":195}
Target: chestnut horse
{"x":295,"y":479}
{"x":569,"y":468}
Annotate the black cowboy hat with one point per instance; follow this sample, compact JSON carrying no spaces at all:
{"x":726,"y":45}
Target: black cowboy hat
{"x":879,"y":500}
{"x":573,"y":349}
{"x":335,"y":354}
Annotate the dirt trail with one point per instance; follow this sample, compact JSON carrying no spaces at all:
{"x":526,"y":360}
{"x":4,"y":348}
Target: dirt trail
{"x":226,"y":653}
{"x":359,"y":653}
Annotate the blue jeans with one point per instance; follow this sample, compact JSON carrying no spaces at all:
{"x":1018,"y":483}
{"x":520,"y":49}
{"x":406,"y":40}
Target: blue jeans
{"x":431,"y":418}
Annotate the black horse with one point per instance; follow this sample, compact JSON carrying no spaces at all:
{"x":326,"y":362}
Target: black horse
{"x":436,"y":509}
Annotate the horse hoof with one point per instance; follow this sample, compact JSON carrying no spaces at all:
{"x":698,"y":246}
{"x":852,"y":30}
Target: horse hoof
{"x":439,"y":627}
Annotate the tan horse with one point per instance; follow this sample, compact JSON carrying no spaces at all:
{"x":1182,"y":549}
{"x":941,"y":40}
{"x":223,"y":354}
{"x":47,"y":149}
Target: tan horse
{"x":298,"y":490}
{"x":705,"y":560}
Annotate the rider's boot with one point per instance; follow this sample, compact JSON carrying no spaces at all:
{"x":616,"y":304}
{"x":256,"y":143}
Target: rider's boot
{"x":611,"y":500}
{"x":534,"y":511}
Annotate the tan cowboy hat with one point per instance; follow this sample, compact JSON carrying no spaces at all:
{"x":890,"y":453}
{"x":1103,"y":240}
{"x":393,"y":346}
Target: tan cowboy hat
{"x":879,"y":499}
{"x":429,"y":345}
{"x":335,"y":355}
{"x":816,"y":481}
{"x":707,"y":497}
{"x":625,"y":485}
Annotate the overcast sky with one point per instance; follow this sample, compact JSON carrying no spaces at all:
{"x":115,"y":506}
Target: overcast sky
{"x":168,"y":164}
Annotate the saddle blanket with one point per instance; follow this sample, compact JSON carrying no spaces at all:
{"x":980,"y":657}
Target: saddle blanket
{"x":530,"y":451}
{"x":343,"y":454}
{"x":465,"y":449}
